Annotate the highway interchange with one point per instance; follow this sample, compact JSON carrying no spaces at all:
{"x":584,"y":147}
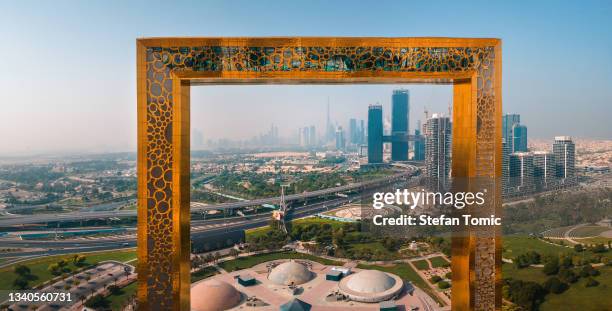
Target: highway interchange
{"x":199,"y":228}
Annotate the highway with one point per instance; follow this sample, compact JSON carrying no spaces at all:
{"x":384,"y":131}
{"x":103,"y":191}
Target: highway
{"x":14,"y":220}
{"x":199,"y":229}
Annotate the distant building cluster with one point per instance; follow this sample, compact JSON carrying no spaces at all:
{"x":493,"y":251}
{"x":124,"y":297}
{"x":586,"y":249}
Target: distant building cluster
{"x":525,"y":171}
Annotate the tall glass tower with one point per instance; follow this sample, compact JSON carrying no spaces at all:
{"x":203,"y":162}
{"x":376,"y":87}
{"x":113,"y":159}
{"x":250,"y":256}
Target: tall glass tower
{"x":508,"y":121}
{"x":565,"y":157}
{"x":519,"y":138}
{"x":438,"y":152}
{"x":375,"y":134}
{"x":399,"y":124}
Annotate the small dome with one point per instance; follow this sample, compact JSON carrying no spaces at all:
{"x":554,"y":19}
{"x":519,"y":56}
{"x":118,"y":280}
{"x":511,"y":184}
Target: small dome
{"x":289,"y":273}
{"x":370,"y":281}
{"x":214,"y":295}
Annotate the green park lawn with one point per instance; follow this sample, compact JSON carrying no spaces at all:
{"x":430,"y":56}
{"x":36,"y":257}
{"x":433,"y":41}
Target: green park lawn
{"x":116,"y":301}
{"x":526,"y":274}
{"x":318,"y":221}
{"x":421,"y":264}
{"x":517,"y":245}
{"x":39,"y":266}
{"x":579,"y":297}
{"x":374,"y":247}
{"x":203,"y":273}
{"x":438,"y":262}
{"x":257,"y":232}
{"x":250,"y":261}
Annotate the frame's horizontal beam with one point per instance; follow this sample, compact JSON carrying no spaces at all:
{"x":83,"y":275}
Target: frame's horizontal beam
{"x":321,"y":77}
{"x":320,"y":41}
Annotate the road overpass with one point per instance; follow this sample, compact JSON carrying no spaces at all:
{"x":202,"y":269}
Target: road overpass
{"x":15,"y":220}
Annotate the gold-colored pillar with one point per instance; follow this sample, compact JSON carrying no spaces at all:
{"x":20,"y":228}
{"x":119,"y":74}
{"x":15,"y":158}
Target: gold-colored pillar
{"x":163,"y":184}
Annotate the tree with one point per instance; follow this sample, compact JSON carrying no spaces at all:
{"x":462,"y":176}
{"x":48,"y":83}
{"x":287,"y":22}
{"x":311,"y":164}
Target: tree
{"x":578,"y":248}
{"x":528,"y":295}
{"x":555,"y":286}
{"x":21,"y":283}
{"x":599,"y":248}
{"x":79,"y":260}
{"x":55,"y":269}
{"x":97,"y":302}
{"x":551,"y":266}
{"x":435,"y":279}
{"x":567,"y":275}
{"x":114,"y":290}
{"x":588,"y":270}
{"x":443,"y":285}
{"x":234,"y":252}
{"x":22,"y":270}
{"x":591,"y":282}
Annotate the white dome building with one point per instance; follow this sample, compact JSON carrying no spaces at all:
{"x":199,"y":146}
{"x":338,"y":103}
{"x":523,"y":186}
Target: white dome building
{"x":371,"y":286}
{"x":214,"y":295}
{"x":290,"y":273}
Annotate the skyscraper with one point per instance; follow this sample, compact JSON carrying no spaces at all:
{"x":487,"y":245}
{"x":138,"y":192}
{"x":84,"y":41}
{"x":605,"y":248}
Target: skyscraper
{"x":505,"y":167}
{"x":519,"y":138}
{"x":399,"y":124}
{"x":353,"y":131}
{"x":438,"y":152}
{"x":508,"y":121}
{"x":362,"y":132}
{"x":544,"y":169}
{"x":375,"y":134}
{"x":419,"y":145}
{"x":521,"y":172}
{"x":305,"y":137}
{"x":565,"y":155}
{"x":340,"y":139}
{"x":313,"y":136}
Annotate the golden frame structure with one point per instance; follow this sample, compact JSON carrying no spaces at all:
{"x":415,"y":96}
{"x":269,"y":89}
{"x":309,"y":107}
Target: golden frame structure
{"x":167,"y":67}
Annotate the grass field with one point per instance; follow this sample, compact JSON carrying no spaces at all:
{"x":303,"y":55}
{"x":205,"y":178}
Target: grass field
{"x":250,"y":261}
{"x":117,"y":301}
{"x":374,"y":247}
{"x":39,"y":266}
{"x":438,"y":262}
{"x":421,"y":264}
{"x":406,"y":272}
{"x":525,"y":274}
{"x":517,"y":245}
{"x":203,"y":273}
{"x":579,"y":297}
{"x":255,"y":232}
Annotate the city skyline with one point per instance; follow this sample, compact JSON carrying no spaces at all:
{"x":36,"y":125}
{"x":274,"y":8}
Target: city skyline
{"x":83,"y":99}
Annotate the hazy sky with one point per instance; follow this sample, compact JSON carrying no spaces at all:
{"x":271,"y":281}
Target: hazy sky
{"x":68,"y":67}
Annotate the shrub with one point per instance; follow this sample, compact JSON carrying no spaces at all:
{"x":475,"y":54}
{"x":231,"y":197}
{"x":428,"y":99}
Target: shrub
{"x":555,"y":286}
{"x":22,"y":270}
{"x":591,"y":282}
{"x":114,"y":290}
{"x":578,"y":248}
{"x":435,"y":279}
{"x":567,"y":275}
{"x":21,"y":283}
{"x":443,"y":285}
{"x":551,"y":266}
